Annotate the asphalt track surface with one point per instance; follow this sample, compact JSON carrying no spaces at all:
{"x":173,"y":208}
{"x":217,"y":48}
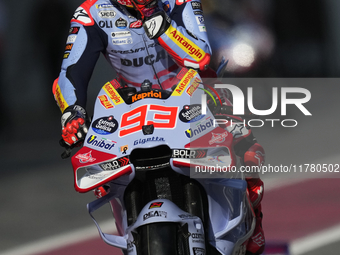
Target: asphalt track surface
{"x":38,"y":202}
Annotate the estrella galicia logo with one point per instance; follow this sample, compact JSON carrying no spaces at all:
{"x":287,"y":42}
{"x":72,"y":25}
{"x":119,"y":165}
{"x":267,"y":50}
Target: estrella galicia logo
{"x":190,"y":133}
{"x":103,"y":143}
{"x":105,"y":125}
{"x":121,"y":23}
{"x":191,"y":113}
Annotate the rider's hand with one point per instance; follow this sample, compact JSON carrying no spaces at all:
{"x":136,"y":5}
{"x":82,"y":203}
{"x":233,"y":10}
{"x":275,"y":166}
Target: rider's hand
{"x":155,"y":20}
{"x":74,"y":125}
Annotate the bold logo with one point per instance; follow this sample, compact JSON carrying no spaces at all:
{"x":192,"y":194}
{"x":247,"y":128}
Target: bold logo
{"x":184,"y":83}
{"x":120,"y":34}
{"x":183,"y":153}
{"x":185,"y":44}
{"x":105,"y":102}
{"x":74,"y":30}
{"x":105,"y":125}
{"x":156,"y":205}
{"x":115,"y":164}
{"x":150,"y":94}
{"x":107,"y":14}
{"x":122,"y":41}
{"x":85,"y":158}
{"x":146,"y":140}
{"x":192,"y":88}
{"x":113,"y":94}
{"x":121,"y":23}
{"x":155,"y":214}
{"x":191,"y":113}
{"x":148,"y":60}
{"x":218,"y":138}
{"x":69,"y":47}
{"x":100,"y":143}
{"x":190,"y":133}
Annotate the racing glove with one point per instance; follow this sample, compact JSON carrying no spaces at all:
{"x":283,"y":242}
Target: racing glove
{"x":155,"y":20}
{"x":74,"y":124}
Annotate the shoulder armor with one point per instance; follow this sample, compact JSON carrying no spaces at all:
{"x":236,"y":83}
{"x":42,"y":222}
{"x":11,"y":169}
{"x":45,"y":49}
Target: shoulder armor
{"x":83,"y":15}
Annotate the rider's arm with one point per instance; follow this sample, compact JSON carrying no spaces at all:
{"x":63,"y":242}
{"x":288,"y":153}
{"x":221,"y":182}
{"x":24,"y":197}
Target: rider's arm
{"x":84,"y":44}
{"x":186,"y":38}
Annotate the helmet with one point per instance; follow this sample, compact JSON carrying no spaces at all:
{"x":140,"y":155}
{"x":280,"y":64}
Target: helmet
{"x":125,"y":2}
{"x":129,"y":3}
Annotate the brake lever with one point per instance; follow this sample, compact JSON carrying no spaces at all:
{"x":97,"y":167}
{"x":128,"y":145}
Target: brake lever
{"x":67,"y":153}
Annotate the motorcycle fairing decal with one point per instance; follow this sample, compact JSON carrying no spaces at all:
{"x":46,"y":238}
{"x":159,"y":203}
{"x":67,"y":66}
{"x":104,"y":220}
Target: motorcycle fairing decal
{"x":164,"y":117}
{"x":94,"y":168}
{"x":113,"y":93}
{"x":185,"y":81}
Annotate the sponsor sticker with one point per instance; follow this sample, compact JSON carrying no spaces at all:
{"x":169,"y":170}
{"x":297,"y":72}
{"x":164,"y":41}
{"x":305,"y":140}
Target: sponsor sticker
{"x":105,"y":102}
{"x":113,"y":94}
{"x":71,"y":39}
{"x":192,"y":88}
{"x":218,"y":138}
{"x":69,"y":47}
{"x":120,"y":34}
{"x":81,"y":16}
{"x":202,"y":28}
{"x":151,"y":214}
{"x":122,"y":41}
{"x":74,"y":30}
{"x":185,"y":43}
{"x":150,"y":139}
{"x":104,"y":6}
{"x":115,"y":164}
{"x":107,"y":14}
{"x":123,"y":149}
{"x":105,"y":125}
{"x":191,"y":132}
{"x":121,"y":23}
{"x":191,"y":113}
{"x":85,"y":158}
{"x":183,"y":84}
{"x":200,"y":20}
{"x":184,"y":153}
{"x":196,"y":5}
{"x":100,"y":143}
{"x":66,"y":55}
{"x":156,"y":205}
{"x":60,"y":99}
{"x":150,"y":94}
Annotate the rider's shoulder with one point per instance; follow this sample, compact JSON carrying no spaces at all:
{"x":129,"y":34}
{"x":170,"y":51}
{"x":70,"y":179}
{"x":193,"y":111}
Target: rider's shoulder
{"x":88,"y":11}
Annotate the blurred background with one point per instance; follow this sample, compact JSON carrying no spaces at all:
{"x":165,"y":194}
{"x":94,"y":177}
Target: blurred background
{"x":260,"y":38}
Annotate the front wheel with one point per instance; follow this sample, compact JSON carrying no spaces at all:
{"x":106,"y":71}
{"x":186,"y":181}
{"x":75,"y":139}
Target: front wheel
{"x":162,"y":239}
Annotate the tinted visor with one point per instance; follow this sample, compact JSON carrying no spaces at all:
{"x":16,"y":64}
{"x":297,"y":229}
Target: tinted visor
{"x":143,"y":2}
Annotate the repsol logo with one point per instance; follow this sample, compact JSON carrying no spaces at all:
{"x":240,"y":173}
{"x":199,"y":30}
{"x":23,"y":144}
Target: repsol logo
{"x":148,"y":60}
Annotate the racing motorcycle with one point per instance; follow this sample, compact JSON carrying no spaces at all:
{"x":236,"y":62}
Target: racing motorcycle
{"x":166,"y":168}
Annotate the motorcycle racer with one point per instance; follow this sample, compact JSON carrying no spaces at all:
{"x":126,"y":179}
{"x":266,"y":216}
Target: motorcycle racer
{"x":135,"y":36}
